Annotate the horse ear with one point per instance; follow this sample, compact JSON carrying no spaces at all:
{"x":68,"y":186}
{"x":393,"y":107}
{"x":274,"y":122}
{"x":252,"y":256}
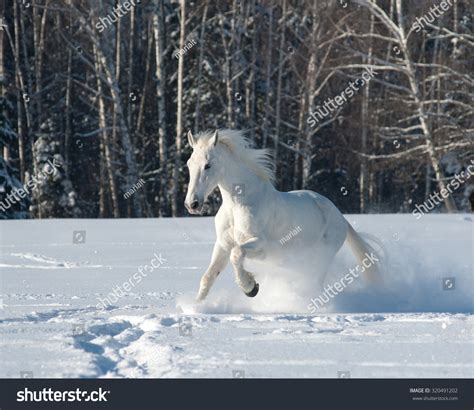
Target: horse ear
{"x":215,"y":138}
{"x":191,"y":140}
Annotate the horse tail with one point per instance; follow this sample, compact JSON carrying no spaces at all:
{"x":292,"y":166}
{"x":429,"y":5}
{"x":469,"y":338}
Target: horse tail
{"x":369,"y":259}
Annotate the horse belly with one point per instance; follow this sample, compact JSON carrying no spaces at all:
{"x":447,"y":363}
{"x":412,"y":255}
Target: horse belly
{"x":311,"y":220}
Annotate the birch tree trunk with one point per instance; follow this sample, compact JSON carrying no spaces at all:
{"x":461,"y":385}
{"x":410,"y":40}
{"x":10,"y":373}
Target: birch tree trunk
{"x":68,"y":102}
{"x":199,"y":74}
{"x":107,"y":144}
{"x":179,"y":113}
{"x":363,"y":176}
{"x":39,"y":41}
{"x":311,"y":77}
{"x":20,"y":87}
{"x":268,"y":78}
{"x":250,"y":94}
{"x":131,"y":56}
{"x":227,"y":66}
{"x":279,"y":82}
{"x":159,"y":35}
{"x":5,"y":149}
{"x":197,"y":124}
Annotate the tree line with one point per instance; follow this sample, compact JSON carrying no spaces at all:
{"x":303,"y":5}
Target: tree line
{"x":110,"y":88}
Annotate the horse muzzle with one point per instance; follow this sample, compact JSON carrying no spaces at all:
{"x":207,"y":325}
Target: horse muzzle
{"x":195,"y":207}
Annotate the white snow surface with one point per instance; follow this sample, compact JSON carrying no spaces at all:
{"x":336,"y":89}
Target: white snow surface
{"x":408,"y":326}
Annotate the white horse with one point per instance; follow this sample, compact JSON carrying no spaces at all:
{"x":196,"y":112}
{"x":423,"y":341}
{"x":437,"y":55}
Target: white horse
{"x":255,"y":220}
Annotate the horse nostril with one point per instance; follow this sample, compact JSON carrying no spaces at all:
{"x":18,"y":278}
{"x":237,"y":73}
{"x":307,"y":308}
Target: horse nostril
{"x":195,"y":205}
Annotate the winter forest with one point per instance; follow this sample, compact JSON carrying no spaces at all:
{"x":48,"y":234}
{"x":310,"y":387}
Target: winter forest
{"x":96,"y":99}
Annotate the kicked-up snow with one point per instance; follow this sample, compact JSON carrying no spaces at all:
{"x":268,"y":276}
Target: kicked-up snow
{"x":115,"y":298}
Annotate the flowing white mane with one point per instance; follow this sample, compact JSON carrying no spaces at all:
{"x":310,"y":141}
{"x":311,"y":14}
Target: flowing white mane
{"x":258,"y":160}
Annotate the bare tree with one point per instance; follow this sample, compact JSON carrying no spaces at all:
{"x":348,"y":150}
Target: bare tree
{"x":179,"y":112}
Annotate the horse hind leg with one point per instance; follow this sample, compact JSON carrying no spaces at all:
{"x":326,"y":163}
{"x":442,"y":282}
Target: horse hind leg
{"x":324,"y":262}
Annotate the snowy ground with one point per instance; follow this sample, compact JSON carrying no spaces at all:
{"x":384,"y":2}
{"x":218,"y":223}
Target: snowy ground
{"x":50,"y":288}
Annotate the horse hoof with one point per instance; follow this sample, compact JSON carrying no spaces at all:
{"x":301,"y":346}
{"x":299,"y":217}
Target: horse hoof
{"x":254,"y":291}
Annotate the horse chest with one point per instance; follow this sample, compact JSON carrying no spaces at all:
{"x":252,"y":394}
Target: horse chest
{"x":237,"y":227}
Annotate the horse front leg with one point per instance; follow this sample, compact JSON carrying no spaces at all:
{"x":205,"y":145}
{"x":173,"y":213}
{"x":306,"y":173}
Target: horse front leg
{"x":219,"y":260}
{"x":253,"y":248}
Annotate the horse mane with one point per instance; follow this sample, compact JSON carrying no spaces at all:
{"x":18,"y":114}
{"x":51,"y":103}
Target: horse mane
{"x":258,"y":160}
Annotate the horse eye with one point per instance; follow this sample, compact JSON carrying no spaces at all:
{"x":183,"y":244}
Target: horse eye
{"x":207,"y":166}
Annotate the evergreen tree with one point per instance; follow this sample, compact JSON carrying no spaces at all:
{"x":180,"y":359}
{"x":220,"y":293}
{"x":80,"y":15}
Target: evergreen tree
{"x":10,"y":206}
{"x":53,"y":194}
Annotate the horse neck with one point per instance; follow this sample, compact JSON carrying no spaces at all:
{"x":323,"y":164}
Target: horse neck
{"x":240,"y":177}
